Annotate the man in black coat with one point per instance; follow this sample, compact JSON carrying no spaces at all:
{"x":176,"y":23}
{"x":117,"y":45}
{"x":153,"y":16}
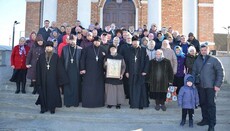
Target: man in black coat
{"x":193,"y":41}
{"x":45,"y":31}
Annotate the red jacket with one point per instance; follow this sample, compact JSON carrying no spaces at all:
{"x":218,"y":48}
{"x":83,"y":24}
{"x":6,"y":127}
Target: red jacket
{"x":19,"y":61}
{"x":64,"y":43}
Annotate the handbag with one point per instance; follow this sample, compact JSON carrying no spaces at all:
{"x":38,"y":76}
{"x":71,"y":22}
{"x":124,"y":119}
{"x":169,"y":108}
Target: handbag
{"x":197,"y":77}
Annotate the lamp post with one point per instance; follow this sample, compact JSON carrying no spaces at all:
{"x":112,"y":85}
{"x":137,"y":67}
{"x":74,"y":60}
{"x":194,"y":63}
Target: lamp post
{"x":228,"y":36}
{"x":15,"y":23}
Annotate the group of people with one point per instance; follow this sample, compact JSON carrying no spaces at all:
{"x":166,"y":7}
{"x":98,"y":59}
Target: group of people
{"x":73,"y":61}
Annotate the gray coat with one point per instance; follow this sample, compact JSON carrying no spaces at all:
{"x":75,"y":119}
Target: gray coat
{"x":212,"y":73}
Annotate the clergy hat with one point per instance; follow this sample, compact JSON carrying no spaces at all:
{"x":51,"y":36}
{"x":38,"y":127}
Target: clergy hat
{"x":135,"y":38}
{"x":111,"y":46}
{"x":97,"y":39}
{"x":39,"y":37}
{"x":49,"y":43}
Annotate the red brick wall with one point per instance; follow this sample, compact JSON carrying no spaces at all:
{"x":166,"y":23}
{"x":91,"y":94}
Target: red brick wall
{"x":172,"y":14}
{"x":67,"y":12}
{"x":32,"y":17}
{"x":205,"y":22}
{"x":143,"y":15}
{"x":95,"y":13}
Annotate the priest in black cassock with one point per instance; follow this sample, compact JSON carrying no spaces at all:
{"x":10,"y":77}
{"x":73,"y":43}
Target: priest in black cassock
{"x":50,"y":75}
{"x":70,"y":56}
{"x":137,"y":68}
{"x":93,"y":87}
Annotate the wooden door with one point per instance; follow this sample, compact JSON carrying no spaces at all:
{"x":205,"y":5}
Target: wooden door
{"x":122,"y":14}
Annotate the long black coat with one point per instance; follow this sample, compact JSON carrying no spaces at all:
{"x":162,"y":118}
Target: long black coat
{"x":72,"y":92}
{"x":49,"y":80}
{"x":93,"y":86}
{"x":138,"y":93}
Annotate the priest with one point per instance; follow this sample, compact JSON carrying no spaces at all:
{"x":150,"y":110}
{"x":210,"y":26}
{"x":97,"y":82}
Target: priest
{"x":137,"y":68}
{"x":50,"y":75}
{"x":93,"y":87}
{"x":71,"y":54}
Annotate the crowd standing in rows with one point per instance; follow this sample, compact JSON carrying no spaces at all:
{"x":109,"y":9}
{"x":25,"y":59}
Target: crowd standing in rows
{"x":72,"y":61}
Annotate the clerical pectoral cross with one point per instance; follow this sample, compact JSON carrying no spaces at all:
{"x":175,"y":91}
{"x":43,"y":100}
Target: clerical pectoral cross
{"x":135,"y":58}
{"x":97,"y":58}
{"x":71,"y":60}
{"x":48,"y":67}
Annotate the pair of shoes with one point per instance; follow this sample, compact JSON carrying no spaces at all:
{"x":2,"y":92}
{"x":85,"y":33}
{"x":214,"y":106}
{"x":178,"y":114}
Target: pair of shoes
{"x":182,"y":122}
{"x":42,"y":111}
{"x":17,"y":91}
{"x":202,"y":123}
{"x":191,"y":123}
{"x":211,"y":128}
{"x":163,"y":107}
{"x":157,"y":107}
{"x":109,"y":106}
{"x":118,"y":106}
{"x":52,"y":111}
{"x":141,"y":108}
{"x":23,"y":91}
{"x":68,"y":106}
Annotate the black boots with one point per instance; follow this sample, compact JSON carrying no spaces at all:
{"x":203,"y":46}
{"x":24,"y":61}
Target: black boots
{"x":18,"y":87}
{"x":191,"y":123}
{"x":23,"y":87}
{"x":35,"y":88}
{"x":182,"y":122}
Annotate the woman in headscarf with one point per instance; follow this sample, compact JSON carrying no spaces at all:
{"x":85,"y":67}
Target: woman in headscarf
{"x":18,"y":63}
{"x":179,"y":76}
{"x":160,"y":77}
{"x":32,"y":58}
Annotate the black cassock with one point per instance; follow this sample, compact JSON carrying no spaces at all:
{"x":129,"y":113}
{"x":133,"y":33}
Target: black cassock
{"x":72,"y":90}
{"x":93,"y":81}
{"x":48,"y":82}
{"x":137,"y":63}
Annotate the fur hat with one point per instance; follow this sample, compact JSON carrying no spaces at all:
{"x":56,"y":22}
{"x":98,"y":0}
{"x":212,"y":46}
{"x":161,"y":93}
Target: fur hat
{"x":39,"y":37}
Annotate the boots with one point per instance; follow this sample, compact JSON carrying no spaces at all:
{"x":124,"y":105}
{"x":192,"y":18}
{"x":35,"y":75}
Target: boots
{"x":23,"y":88}
{"x":35,"y":88}
{"x":191,"y":123}
{"x":18,"y":87}
{"x":182,"y":122}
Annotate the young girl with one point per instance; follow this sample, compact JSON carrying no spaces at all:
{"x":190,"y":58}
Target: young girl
{"x":114,"y":90}
{"x":188,"y":99}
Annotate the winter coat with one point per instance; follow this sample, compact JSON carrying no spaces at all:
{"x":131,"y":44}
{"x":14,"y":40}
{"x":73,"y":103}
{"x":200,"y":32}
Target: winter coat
{"x":189,"y":61}
{"x":180,"y":66}
{"x":170,"y":55}
{"x":17,"y":60}
{"x":188,"y":96}
{"x":212,"y":73}
{"x":32,"y":58}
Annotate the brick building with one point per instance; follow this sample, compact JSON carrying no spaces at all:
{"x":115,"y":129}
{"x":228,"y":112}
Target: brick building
{"x":183,"y":15}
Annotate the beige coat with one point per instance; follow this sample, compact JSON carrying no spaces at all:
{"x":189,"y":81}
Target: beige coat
{"x":170,"y":55}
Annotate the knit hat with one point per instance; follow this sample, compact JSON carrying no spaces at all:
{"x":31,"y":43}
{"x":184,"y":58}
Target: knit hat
{"x":190,"y":34}
{"x":39,"y":37}
{"x":191,"y":79}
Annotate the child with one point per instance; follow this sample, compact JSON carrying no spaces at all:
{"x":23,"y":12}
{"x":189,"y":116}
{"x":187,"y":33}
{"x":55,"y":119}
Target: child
{"x":114,"y":90}
{"x":188,"y":99}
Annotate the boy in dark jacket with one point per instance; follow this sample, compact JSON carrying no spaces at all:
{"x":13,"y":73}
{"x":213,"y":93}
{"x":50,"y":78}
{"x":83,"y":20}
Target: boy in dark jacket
{"x":188,"y":99}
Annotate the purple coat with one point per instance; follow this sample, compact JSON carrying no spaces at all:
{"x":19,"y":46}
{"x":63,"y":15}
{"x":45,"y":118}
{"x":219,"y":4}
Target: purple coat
{"x":32,"y":58}
{"x":188,"y":96}
{"x":180,"y":66}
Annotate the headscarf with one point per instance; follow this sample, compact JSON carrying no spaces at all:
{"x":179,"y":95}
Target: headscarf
{"x":181,"y":54}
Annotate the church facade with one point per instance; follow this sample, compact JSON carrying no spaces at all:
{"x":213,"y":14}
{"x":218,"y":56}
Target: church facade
{"x":183,"y":15}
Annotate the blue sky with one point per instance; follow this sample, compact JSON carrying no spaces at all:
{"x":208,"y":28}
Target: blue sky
{"x":11,"y":10}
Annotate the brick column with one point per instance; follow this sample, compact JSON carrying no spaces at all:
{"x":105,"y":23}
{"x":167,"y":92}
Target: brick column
{"x":205,"y":20}
{"x":32,"y":16}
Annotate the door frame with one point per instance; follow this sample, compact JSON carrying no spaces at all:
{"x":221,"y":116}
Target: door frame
{"x":136,"y":14}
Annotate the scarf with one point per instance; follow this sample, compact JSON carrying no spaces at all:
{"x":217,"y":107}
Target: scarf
{"x":22,"y":50}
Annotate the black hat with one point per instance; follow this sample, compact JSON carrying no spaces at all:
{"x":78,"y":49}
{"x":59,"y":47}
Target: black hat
{"x":135,"y":38}
{"x":97,"y":39}
{"x":49,"y":43}
{"x":191,"y":79}
{"x":190,"y":34}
